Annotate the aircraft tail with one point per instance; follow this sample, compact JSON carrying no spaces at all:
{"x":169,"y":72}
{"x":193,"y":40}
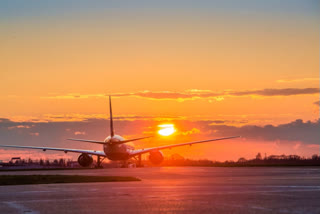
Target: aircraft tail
{"x":111,"y":132}
{"x":111,"y":119}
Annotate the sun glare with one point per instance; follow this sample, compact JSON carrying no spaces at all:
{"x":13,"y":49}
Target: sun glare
{"x":166,"y":129}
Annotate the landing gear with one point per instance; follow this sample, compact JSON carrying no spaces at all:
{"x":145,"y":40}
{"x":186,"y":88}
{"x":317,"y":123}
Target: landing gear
{"x":99,"y":162}
{"x":128,"y":164}
{"x":125,"y":164}
{"x":139,"y":163}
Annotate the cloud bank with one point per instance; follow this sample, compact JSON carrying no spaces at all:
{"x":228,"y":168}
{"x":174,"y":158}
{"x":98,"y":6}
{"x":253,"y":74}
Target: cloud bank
{"x":54,"y":134}
{"x":197,"y":94}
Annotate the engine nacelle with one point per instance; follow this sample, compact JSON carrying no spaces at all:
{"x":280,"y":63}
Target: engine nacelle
{"x":85,"y":160}
{"x":156,"y":157}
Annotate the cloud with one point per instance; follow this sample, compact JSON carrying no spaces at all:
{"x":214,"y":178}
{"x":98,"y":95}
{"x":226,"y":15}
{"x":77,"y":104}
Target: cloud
{"x":278,"y":92}
{"x":34,"y":133}
{"x":197,"y":94}
{"x":296,"y":131}
{"x":84,"y":117}
{"x":297,"y":80}
{"x":168,"y":95}
{"x":74,"y":96}
{"x":19,"y":127}
{"x":313,"y":146}
{"x":297,"y":146}
{"x":317,"y":103}
{"x":5,"y":120}
{"x":191,"y":132}
{"x":79,"y":133}
{"x":217,"y":122}
{"x":193,"y":94}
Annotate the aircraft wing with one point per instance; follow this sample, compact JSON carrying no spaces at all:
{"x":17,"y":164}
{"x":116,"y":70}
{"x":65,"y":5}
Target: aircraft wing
{"x":142,"y":151}
{"x":90,"y":152}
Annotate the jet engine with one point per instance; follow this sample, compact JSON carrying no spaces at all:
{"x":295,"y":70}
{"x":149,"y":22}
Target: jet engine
{"x":156,"y":157}
{"x":85,"y":160}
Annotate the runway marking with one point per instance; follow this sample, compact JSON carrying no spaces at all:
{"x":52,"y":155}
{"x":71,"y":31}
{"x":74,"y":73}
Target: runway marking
{"x":20,"y":207}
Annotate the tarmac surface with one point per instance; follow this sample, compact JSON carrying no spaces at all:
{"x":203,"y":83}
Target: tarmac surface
{"x":173,"y":190}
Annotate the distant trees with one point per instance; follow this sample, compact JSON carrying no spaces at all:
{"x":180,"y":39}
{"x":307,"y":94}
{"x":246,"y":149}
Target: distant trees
{"x":178,"y":160}
{"x":242,"y":160}
{"x":259,"y":156}
{"x":41,"y":162}
{"x":62,"y":162}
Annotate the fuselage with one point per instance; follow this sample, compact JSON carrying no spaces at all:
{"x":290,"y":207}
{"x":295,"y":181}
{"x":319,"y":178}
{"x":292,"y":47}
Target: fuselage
{"x":116,"y":151}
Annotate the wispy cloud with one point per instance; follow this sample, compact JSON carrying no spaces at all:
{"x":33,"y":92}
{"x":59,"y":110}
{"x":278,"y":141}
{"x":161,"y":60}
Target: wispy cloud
{"x":297,"y":80}
{"x":193,"y":94}
{"x":278,"y":92}
{"x":197,"y":94}
{"x":82,"y":117}
{"x":79,"y":133}
{"x":191,"y":132}
{"x":219,"y":96}
{"x":229,"y":122}
{"x":19,"y":127}
{"x":74,"y":96}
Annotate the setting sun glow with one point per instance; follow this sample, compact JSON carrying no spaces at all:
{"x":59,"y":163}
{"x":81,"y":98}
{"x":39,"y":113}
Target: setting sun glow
{"x":181,"y":71}
{"x":166,"y":129}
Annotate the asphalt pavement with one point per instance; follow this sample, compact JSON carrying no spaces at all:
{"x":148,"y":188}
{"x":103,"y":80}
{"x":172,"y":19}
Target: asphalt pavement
{"x":172,"y":190}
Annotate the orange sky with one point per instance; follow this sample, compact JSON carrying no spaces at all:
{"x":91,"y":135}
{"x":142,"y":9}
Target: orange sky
{"x":194,"y":62}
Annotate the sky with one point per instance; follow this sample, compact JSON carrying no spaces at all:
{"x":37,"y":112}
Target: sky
{"x":211,"y":68}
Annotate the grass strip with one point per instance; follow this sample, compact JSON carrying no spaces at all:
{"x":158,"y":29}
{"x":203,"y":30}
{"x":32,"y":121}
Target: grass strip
{"x":54,"y":179}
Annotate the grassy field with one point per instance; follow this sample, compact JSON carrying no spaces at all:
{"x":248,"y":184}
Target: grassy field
{"x":53,"y":179}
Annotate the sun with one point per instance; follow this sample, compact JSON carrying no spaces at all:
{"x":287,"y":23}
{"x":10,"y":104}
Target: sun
{"x":166,"y":129}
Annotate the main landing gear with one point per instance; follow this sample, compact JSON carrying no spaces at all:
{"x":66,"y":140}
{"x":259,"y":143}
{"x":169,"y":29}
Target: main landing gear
{"x":139,"y":163}
{"x":99,"y":162}
{"x":130,"y":164}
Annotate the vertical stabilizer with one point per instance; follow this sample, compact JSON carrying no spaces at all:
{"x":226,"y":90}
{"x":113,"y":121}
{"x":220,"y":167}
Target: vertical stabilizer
{"x":111,"y":119}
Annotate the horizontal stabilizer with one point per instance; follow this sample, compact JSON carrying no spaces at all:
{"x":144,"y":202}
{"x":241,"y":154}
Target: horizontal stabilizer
{"x":88,"y":141}
{"x":130,"y":140}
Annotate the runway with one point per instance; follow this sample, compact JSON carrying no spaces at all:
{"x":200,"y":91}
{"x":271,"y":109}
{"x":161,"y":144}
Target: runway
{"x":173,"y":190}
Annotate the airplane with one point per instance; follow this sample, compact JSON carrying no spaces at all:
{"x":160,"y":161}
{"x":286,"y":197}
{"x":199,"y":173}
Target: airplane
{"x":116,"y":149}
